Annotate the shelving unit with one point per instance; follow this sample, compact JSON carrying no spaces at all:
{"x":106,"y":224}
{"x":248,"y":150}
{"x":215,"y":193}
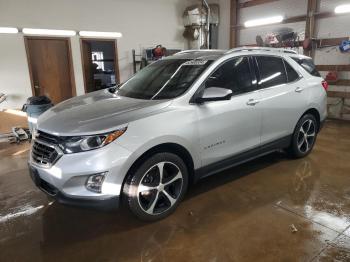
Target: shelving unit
{"x":146,"y":57}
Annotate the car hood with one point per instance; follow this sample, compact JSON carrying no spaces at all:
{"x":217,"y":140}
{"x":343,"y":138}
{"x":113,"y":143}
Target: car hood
{"x":96,"y":113}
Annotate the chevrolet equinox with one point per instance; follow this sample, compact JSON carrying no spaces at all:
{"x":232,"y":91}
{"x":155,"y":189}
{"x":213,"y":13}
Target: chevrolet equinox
{"x":179,"y":119}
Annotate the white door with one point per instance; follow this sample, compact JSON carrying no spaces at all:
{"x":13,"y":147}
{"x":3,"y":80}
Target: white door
{"x":229,"y":127}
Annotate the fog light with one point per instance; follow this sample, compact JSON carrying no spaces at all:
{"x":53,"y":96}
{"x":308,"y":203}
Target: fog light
{"x":94,"y":182}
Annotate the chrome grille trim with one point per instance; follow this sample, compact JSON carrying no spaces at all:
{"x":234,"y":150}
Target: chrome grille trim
{"x":45,"y":154}
{"x":50,"y":139}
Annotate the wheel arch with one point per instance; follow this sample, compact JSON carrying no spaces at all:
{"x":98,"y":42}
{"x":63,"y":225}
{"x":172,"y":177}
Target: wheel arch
{"x":313,"y":111}
{"x":174,"y":148}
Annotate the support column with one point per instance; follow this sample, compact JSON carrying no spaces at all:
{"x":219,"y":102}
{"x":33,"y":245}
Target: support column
{"x":233,"y":23}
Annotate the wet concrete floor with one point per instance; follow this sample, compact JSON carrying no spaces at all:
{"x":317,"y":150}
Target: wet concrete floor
{"x":270,"y":209}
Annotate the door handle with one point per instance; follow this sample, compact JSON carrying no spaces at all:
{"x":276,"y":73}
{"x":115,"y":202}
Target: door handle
{"x":252,"y":102}
{"x":36,"y":86}
{"x":298,"y":90}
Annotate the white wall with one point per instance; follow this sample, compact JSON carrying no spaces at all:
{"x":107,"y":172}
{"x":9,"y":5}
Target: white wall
{"x":14,"y":74}
{"x":142,"y":23}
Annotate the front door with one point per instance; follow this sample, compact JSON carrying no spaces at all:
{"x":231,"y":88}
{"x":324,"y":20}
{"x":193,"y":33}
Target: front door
{"x":230,"y":127}
{"x":50,"y":67}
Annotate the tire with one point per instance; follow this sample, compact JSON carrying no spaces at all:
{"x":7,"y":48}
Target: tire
{"x":146,"y":197}
{"x":304,"y":136}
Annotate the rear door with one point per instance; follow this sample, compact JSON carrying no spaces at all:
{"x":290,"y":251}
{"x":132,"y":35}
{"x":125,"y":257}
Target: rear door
{"x":229,"y":127}
{"x":282,"y":99}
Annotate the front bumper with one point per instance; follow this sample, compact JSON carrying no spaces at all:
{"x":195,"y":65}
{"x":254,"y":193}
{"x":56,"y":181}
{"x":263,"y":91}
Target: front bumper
{"x":66,"y":179}
{"x":52,"y":191}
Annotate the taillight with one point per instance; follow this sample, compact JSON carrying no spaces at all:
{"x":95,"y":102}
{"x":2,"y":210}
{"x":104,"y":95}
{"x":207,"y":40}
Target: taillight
{"x":325,"y":85}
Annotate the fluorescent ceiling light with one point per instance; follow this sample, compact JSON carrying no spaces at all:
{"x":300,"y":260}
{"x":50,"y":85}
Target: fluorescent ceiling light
{"x":264,"y":21}
{"x":33,"y":31}
{"x":100,"y":34}
{"x":8,"y":30}
{"x":341,"y":9}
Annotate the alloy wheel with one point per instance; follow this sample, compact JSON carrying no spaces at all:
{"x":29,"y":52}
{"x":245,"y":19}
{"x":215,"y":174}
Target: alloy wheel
{"x":306,"y":136}
{"x":160,"y":188}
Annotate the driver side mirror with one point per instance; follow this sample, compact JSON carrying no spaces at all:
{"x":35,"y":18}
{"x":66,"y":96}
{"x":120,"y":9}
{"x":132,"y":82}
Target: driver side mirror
{"x":214,"y":94}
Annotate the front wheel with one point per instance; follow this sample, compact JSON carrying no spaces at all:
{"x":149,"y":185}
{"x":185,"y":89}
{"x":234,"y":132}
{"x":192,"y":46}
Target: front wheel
{"x":304,"y":136}
{"x":156,"y":187}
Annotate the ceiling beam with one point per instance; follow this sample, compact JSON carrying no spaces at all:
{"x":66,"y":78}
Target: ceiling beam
{"x":255,"y":2}
{"x":327,"y":15}
{"x":338,"y":94}
{"x":340,"y":82}
{"x":333,"y":68}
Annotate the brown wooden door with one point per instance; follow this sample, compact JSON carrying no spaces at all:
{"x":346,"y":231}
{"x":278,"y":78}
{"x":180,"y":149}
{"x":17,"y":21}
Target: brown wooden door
{"x":50,"y":68}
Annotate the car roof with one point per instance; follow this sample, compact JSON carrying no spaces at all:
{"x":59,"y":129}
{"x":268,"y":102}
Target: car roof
{"x":214,"y":54}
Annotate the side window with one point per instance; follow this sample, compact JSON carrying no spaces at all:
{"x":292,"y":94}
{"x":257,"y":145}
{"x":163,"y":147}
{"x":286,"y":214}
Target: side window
{"x":308,"y":65}
{"x":234,"y":74}
{"x":271,"y":71}
{"x":292,"y":75}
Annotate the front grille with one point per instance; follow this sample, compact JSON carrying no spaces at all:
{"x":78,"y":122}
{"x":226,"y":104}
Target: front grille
{"x":44,"y":149}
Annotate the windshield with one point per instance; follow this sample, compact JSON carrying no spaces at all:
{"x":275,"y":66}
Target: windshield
{"x":164,"y":79}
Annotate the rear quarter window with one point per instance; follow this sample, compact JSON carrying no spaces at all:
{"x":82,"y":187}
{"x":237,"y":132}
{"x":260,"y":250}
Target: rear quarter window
{"x":292,"y":75}
{"x":308,"y":65}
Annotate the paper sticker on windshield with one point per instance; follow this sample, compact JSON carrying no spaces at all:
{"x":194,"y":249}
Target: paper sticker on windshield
{"x":196,"y":62}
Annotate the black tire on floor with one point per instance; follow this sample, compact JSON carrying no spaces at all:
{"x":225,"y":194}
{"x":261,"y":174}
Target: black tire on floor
{"x":148,"y":173}
{"x":297,"y":151}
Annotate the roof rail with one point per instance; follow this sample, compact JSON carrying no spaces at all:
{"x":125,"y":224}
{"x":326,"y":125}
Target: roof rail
{"x":271,"y":49}
{"x":185,"y":52}
{"x":196,"y":50}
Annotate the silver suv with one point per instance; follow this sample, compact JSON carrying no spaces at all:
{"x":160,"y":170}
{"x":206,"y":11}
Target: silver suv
{"x":179,"y":119}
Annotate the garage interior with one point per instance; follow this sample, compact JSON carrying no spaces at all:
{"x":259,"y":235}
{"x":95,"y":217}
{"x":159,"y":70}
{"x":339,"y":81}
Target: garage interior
{"x":273,"y":208}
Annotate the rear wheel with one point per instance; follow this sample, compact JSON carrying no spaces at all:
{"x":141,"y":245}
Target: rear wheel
{"x":304,"y":136}
{"x":157,"y":186}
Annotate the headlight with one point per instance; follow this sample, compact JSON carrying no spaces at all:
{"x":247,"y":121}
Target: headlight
{"x":85,"y":143}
